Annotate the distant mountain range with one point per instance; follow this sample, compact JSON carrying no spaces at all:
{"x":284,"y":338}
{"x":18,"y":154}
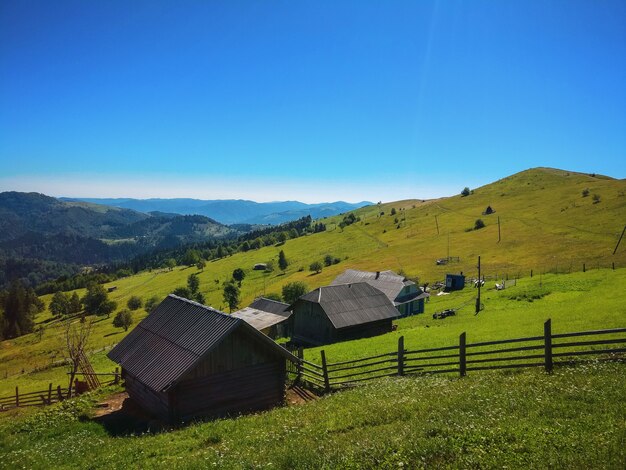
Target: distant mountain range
{"x":231,"y":211}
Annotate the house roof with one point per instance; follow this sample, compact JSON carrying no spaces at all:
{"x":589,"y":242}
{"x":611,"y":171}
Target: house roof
{"x":351,"y":304}
{"x":272,"y":306}
{"x":174,"y":337}
{"x":390,"y":283}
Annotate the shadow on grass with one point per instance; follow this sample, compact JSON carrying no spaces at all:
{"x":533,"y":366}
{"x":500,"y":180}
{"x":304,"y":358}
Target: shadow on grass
{"x":112,"y":334}
{"x":130,"y":419}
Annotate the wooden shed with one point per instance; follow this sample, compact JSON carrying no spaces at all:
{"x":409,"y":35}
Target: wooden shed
{"x":454,"y":282}
{"x":268,"y":316}
{"x":340,"y":313}
{"x":186,"y":360}
{"x":406,"y":296}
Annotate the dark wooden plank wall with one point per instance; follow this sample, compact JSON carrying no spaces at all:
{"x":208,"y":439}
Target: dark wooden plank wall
{"x":156,"y":403}
{"x":311,"y":325}
{"x":252,"y":388}
{"x":365,"y":330}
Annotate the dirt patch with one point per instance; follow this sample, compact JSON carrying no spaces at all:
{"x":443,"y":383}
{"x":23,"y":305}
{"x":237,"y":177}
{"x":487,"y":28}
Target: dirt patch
{"x":120,"y":415}
{"x":297,"y":395}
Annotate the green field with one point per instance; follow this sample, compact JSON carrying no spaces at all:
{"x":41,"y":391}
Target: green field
{"x":574,"y":418}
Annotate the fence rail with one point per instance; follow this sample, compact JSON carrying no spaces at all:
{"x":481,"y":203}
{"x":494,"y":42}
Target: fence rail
{"x":463,"y":357}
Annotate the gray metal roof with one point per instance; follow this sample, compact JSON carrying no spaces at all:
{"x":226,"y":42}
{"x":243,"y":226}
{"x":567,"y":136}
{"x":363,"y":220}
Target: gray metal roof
{"x":351,"y":304}
{"x":390,"y":283}
{"x":258,"y":318}
{"x":272,"y":306}
{"x":173,"y":338}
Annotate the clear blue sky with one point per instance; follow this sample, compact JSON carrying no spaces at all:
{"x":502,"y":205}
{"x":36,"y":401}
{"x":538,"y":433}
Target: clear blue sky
{"x":309,"y":100}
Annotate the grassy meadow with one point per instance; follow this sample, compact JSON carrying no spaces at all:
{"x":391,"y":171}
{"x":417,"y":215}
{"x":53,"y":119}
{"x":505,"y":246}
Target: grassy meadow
{"x":573,"y":418}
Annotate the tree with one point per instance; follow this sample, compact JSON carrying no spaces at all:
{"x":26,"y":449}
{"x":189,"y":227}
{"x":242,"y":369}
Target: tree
{"x":239,"y":275}
{"x":393,"y":211}
{"x":76,"y":337}
{"x":282,"y":260}
{"x":328,"y":260}
{"x":231,"y":295}
{"x":151,"y":304}
{"x":75,"y":305}
{"x":183,"y":292}
{"x":193,"y":283}
{"x":201,"y":264}
{"x":282,"y":237}
{"x":191,"y":257}
{"x":20,"y":304}
{"x":96,"y":301}
{"x":134,"y":302}
{"x":315,"y":267}
{"x":123,"y":319}
{"x":294,"y":290}
{"x":59,"y":305}
{"x":478,"y":224}
{"x":170,"y":263}
{"x":465,"y":192}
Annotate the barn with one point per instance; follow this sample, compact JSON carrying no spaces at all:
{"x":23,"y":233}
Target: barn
{"x":186,"y":361}
{"x":268,"y":316}
{"x":340,"y":313}
{"x":405,"y":295}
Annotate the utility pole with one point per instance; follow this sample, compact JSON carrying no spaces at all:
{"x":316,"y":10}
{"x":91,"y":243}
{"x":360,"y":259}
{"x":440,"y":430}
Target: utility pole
{"x":499,"y":229}
{"x":618,"y":242}
{"x":448,"y":245}
{"x":478,"y":298}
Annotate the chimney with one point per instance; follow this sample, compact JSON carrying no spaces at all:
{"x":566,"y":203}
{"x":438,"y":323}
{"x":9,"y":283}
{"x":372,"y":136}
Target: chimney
{"x":377,"y":274}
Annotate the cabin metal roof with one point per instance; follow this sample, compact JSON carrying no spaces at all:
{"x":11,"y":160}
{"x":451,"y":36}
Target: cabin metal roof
{"x":351,"y":304}
{"x":174,"y":337}
{"x":258,"y":318}
{"x":271,"y":306}
{"x":388,"y":282}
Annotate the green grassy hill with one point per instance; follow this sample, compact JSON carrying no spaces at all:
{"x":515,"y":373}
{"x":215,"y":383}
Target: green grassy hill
{"x":546,"y":225}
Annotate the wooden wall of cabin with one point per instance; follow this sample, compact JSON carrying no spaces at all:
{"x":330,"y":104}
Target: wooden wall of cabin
{"x":365,"y":330}
{"x":239,"y":349}
{"x":156,"y":403}
{"x":311,"y":325}
{"x":255,"y":387}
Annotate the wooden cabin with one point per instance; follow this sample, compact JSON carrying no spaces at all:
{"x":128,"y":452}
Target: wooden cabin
{"x":339,"y":313}
{"x":406,"y":296}
{"x":186,"y":360}
{"x":270,"y":317}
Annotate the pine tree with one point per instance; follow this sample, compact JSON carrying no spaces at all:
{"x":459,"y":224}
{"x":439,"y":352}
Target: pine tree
{"x":282,"y":261}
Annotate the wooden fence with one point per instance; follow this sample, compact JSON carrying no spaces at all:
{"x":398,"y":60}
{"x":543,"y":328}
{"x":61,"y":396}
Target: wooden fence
{"x":51,"y":395}
{"x":547,"y":350}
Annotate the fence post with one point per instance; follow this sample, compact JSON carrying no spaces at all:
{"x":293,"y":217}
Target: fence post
{"x":325,"y":372}
{"x":50,"y":393}
{"x":117,"y":376}
{"x":59,"y":394}
{"x":584,"y":268}
{"x":17,"y":397}
{"x":547,"y":338}
{"x":531,"y":273}
{"x":401,"y":355}
{"x":462,"y":360}
{"x":299,"y":365}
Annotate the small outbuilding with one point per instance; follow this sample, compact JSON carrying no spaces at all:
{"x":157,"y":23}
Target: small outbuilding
{"x":406,"y":296}
{"x":186,"y":360}
{"x":270,"y":317}
{"x":339,"y":313}
{"x":454,"y":282}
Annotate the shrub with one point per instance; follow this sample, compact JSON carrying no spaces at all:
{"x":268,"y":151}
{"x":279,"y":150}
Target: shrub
{"x":134,"y":302}
{"x":478,"y":224}
{"x":596,"y":198}
{"x":293,"y":290}
{"x":328,"y":260}
{"x":465,"y":192}
{"x":585,"y":192}
{"x":151,"y":304}
{"x":315,"y":267}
